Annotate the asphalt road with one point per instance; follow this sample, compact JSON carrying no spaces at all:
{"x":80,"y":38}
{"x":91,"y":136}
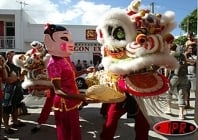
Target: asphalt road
{"x":91,"y":123}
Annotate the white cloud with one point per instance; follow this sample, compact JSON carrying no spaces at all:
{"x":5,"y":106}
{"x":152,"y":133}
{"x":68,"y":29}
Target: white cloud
{"x":43,"y":11}
{"x":90,"y":12}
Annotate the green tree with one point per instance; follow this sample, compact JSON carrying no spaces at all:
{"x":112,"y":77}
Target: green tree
{"x":189,"y":23}
{"x":180,"y":40}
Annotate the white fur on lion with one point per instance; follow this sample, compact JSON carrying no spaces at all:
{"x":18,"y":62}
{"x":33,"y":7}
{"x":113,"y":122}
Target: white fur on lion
{"x":168,"y":19}
{"x":27,"y":83}
{"x":15,"y":60}
{"x":124,"y":67}
{"x":116,"y":18}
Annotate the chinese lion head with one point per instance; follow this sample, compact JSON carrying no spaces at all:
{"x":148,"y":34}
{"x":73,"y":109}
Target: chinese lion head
{"x":33,"y":66}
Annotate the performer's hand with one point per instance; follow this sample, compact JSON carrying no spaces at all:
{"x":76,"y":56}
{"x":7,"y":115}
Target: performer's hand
{"x":91,"y":69}
{"x":86,"y":99}
{"x":91,"y":100}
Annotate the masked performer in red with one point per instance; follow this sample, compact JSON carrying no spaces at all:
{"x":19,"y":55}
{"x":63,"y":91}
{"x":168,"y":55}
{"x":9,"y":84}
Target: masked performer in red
{"x":60,"y":69}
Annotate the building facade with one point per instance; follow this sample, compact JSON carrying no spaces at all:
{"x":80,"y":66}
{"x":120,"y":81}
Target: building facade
{"x":18,"y":30}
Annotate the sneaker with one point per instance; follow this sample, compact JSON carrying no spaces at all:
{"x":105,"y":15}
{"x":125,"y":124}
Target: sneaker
{"x":35,"y":129}
{"x":20,"y":124}
{"x":9,"y":131}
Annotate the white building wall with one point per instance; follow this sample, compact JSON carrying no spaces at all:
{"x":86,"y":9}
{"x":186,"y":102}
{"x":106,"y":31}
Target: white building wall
{"x":79,"y":32}
{"x":35,"y":32}
{"x":19,"y":31}
{"x":26,"y":31}
{"x":13,"y":16}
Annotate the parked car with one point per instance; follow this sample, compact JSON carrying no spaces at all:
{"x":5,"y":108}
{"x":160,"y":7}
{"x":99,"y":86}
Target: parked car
{"x":81,"y":84}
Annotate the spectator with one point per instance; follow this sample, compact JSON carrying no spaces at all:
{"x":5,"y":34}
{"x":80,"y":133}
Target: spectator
{"x":85,"y":65}
{"x":191,"y":57}
{"x":191,"y":42}
{"x":191,"y":60}
{"x":91,"y":63}
{"x":98,"y":65}
{"x":12,"y":95}
{"x":3,"y":77}
{"x":179,"y":83}
{"x":78,"y":66}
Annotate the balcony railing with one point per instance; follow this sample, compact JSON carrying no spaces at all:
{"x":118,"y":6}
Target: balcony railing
{"x":7,"y":42}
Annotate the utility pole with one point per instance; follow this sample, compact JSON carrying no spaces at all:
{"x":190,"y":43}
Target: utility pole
{"x":187,"y":25}
{"x":196,"y":96}
{"x":152,"y":7}
{"x":22,"y":3}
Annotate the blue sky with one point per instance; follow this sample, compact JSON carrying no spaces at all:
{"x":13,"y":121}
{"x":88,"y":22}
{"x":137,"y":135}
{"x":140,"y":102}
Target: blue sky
{"x":81,"y":12}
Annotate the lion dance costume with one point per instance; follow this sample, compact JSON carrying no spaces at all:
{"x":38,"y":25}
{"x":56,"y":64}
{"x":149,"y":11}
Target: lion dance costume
{"x":135,"y":45}
{"x":33,"y":64}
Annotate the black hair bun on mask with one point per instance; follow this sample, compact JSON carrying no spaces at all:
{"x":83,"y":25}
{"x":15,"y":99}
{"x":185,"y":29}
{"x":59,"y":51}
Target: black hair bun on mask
{"x":51,"y":28}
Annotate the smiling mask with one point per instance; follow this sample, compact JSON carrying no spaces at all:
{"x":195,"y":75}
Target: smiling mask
{"x":58,"y":40}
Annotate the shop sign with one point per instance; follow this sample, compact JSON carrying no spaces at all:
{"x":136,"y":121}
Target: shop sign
{"x":87,"y":48}
{"x":90,"y":34}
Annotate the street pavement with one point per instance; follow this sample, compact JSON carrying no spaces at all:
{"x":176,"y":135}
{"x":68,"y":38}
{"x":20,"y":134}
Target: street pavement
{"x":91,"y":123}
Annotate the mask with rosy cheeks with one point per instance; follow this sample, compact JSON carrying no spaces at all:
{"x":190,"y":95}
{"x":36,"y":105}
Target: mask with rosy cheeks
{"x":58,"y":41}
{"x":66,"y":47}
{"x":63,"y":47}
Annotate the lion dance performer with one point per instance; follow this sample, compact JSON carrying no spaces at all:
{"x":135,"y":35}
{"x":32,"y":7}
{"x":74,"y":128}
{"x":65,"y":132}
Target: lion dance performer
{"x":33,"y":64}
{"x":135,"y":44}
